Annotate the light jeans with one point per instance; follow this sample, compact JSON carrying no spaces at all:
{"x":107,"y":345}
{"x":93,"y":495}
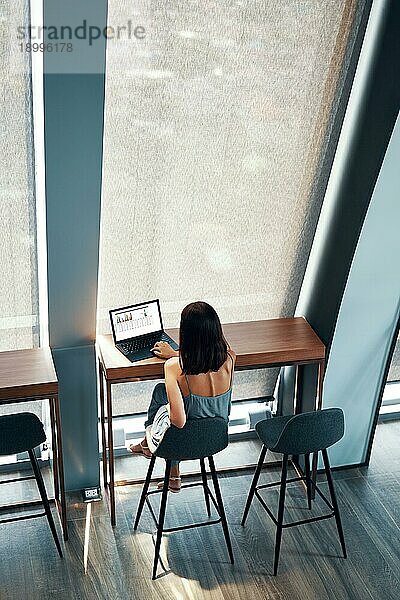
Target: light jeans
{"x":158,"y":398}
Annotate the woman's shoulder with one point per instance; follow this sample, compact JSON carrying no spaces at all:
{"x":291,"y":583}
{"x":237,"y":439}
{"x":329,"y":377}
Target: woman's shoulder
{"x":232,"y":354}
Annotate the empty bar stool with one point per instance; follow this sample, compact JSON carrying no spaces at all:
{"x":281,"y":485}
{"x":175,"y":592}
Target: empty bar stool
{"x":197,"y":440}
{"x":302,"y":434}
{"x":23,"y":432}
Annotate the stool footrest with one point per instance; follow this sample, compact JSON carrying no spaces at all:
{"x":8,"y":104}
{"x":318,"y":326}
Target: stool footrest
{"x":292,"y":480}
{"x":293,"y":523}
{"x":310,"y":520}
{"x":22,"y":518}
{"x":17,"y":479}
{"x":275,"y":483}
{"x":24,"y":504}
{"x":190,"y":525}
{"x":184,"y":485}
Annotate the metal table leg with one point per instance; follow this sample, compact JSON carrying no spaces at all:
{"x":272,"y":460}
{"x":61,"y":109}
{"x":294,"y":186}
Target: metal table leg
{"x":111,"y":488}
{"x":103,"y":425}
{"x":60,"y":464}
{"x":54,"y":449}
{"x":321,"y":372}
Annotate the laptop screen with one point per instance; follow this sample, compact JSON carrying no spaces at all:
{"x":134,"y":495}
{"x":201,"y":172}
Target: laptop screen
{"x":133,"y":321}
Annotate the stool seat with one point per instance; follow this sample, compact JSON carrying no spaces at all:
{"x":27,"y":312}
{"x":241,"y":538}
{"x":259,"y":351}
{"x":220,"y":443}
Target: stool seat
{"x":20,"y":432}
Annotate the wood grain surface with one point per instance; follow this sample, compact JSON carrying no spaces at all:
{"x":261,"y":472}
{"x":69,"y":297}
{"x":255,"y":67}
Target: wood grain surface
{"x":27,"y":374}
{"x":268,"y":343}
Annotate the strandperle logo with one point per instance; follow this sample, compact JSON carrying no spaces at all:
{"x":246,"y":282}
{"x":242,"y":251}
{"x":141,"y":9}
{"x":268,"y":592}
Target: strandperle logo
{"x":84,"y":31}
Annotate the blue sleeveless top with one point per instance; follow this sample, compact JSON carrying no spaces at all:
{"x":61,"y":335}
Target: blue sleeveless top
{"x":198,"y":407}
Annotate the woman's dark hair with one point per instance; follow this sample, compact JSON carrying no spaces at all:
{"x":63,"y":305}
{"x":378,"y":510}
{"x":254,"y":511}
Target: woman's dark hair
{"x":202,"y":346}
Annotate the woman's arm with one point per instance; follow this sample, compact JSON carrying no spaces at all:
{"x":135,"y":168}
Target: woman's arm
{"x":172,"y":371}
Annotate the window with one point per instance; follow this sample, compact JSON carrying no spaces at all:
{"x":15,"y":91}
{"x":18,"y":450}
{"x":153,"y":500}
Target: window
{"x":19,"y":293}
{"x":19,"y":307}
{"x":390,"y":407}
{"x":215,"y":125}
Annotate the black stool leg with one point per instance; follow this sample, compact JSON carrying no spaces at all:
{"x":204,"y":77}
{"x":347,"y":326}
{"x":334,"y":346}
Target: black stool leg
{"x":144,"y":491}
{"x":204,"y":479}
{"x":254,"y":483}
{"x":221,"y":507}
{"x":161,"y":516}
{"x":280,"y":512}
{"x":308,"y":479}
{"x":334,"y":501}
{"x":43,"y":495}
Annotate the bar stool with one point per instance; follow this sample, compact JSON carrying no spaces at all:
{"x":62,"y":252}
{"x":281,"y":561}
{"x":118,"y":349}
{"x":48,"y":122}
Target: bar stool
{"x":301,"y":434}
{"x":197,"y":440}
{"x":23,"y":432}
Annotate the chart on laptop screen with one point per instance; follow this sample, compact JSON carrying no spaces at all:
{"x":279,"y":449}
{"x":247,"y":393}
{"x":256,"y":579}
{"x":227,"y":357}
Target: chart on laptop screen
{"x":135,"y":321}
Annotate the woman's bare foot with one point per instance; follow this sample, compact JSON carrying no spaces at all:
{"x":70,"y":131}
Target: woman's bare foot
{"x":141,"y":448}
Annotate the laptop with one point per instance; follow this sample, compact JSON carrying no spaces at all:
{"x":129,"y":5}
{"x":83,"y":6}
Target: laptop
{"x":137,"y":328}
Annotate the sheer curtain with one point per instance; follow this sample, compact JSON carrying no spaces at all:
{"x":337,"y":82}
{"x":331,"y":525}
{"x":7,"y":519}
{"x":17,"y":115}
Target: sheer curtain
{"x":19,"y":315}
{"x":19,"y":301}
{"x":215,"y":126}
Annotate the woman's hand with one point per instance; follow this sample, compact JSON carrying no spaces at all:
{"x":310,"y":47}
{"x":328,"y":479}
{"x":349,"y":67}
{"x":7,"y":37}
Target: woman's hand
{"x":164,"y":350}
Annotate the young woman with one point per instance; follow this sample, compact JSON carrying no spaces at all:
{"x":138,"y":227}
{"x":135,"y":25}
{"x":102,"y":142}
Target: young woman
{"x":198,"y":377}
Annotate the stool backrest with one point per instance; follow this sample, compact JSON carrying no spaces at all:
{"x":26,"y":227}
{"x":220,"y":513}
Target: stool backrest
{"x":197,"y":439}
{"x":20,"y":432}
{"x":311,"y":431}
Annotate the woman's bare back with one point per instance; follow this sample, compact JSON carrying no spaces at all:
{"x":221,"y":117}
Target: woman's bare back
{"x":211,"y":383}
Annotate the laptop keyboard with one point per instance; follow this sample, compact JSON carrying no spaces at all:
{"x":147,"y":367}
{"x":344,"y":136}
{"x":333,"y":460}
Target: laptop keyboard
{"x":141,"y":343}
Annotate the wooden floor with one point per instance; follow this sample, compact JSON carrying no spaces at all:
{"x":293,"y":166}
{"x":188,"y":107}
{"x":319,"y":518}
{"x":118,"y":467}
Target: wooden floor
{"x":119,"y":561}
